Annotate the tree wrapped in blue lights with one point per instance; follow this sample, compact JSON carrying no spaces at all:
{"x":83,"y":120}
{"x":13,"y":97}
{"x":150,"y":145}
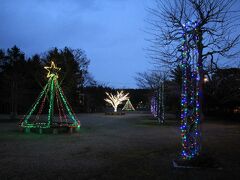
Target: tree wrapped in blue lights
{"x":154,"y":105}
{"x":157,"y":103}
{"x":190,"y":96}
{"x":213,"y":35}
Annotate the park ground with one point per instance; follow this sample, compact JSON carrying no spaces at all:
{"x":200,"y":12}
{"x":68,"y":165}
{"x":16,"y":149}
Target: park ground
{"x":130,"y":147}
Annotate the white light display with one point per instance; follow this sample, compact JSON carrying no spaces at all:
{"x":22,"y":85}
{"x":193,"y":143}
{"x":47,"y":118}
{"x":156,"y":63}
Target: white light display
{"x":117,"y":99}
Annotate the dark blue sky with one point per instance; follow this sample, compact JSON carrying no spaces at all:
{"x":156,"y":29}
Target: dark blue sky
{"x":110,"y":31}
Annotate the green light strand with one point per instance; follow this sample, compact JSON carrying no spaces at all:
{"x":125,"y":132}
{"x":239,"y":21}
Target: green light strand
{"x":65,"y":103}
{"x":36,"y":104}
{"x":51,"y":103}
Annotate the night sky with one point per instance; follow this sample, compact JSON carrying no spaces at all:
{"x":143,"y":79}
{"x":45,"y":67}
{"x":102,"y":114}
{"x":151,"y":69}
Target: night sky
{"x":110,"y":31}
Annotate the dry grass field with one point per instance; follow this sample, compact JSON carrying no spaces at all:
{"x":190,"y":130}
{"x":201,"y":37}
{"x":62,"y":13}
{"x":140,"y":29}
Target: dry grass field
{"x":131,"y":147}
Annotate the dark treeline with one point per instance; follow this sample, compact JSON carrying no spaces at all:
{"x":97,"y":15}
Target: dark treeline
{"x":221,"y":92}
{"x":22,"y":79}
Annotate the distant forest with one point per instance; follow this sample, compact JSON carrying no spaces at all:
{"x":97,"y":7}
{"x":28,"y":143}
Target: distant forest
{"x":22,"y":79}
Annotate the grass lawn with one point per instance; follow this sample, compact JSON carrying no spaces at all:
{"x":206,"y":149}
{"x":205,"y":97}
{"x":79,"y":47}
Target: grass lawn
{"x":132,"y":146}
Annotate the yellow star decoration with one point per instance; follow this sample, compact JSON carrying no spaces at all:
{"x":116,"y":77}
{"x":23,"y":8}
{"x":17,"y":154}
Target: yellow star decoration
{"x":52,"y":70}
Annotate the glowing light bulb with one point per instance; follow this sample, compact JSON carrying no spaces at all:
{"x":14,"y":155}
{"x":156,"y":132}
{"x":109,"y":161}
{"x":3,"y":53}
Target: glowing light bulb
{"x":205,"y":79}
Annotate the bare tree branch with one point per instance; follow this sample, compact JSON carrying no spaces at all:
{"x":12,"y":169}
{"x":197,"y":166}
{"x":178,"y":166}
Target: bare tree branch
{"x":216,"y":31}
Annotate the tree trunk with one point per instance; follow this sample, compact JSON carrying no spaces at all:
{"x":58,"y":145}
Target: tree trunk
{"x":201,"y":71}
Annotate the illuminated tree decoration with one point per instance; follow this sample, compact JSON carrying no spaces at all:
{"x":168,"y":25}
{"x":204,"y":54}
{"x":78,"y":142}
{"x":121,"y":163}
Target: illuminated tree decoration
{"x":117,"y":99}
{"x":154,"y":105}
{"x":52,"y":93}
{"x":128,"y":106}
{"x":190,"y":100}
{"x":157,"y":103}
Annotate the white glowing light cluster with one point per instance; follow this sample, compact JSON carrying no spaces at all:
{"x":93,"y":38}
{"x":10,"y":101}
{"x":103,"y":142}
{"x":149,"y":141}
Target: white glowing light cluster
{"x":117,"y":99}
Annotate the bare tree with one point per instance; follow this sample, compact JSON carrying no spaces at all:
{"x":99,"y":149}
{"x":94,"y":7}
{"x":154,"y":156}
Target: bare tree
{"x":149,"y":79}
{"x":216,"y":31}
{"x":194,"y":33}
{"x":154,"y":80}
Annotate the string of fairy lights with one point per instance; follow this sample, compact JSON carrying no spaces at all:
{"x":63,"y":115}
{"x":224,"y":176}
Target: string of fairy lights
{"x":190,"y":117}
{"x":190,"y":100}
{"x":154,"y":106}
{"x":51,"y":91}
{"x":157,"y":103}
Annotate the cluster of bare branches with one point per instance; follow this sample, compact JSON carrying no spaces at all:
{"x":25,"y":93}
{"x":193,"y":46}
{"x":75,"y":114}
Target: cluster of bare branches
{"x":150,"y":79}
{"x":217,"y":29}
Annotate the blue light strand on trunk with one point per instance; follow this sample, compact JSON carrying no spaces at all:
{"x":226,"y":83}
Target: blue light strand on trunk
{"x":190,"y":103}
{"x":157,"y":103}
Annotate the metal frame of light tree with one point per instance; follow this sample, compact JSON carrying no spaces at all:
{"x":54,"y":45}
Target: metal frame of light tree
{"x":52,"y":91}
{"x":190,"y":97}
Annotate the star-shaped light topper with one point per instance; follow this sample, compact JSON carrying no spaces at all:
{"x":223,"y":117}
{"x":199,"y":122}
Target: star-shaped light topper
{"x":52,"y":70}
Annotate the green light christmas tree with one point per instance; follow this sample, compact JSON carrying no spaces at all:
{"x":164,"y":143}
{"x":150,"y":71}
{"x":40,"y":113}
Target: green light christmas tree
{"x":128,"y":106}
{"x":53,"y":93}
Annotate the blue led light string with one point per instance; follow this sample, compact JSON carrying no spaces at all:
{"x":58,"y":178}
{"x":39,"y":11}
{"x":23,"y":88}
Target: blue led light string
{"x":190,"y":93}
